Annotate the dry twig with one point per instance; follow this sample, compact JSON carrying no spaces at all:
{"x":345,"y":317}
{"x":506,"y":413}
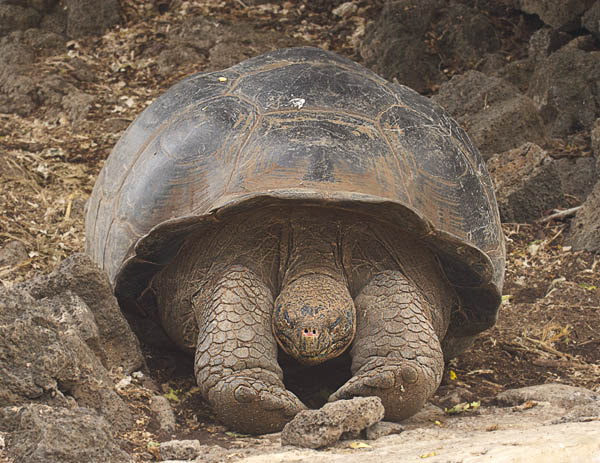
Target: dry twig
{"x":560,"y":214}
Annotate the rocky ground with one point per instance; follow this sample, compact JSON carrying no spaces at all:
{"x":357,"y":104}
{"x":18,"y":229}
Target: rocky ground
{"x":522,"y":79}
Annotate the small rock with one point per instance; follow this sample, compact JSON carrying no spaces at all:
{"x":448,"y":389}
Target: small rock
{"x":428,"y":414}
{"x":554,"y":393}
{"x":78,"y":105}
{"x":165,"y":416}
{"x":456,"y":396}
{"x":382,"y":429}
{"x":12,"y":253}
{"x":180,"y":449}
{"x":319,"y":428}
{"x":345,"y":9}
{"x":581,"y":413}
{"x":123,"y":383}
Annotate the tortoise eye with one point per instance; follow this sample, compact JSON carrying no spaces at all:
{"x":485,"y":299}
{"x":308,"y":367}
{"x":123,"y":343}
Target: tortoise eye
{"x":283,"y":316}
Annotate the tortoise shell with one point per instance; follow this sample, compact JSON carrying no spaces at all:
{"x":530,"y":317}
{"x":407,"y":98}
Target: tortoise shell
{"x":297,"y":125}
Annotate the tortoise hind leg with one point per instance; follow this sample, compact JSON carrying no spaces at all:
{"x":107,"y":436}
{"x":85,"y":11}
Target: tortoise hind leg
{"x":236,"y":356}
{"x":396,"y":354}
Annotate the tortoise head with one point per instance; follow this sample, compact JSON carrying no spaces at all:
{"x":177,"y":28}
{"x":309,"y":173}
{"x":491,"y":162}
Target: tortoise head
{"x":314,"y":318}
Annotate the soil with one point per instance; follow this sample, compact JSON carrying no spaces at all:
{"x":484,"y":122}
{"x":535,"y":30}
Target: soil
{"x":548,"y":327}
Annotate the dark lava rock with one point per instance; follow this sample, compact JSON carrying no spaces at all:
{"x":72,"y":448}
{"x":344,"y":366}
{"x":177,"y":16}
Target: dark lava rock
{"x":17,"y":90}
{"x":15,"y":53}
{"x":43,"y":357}
{"x":394,"y":46}
{"x":527,"y":183}
{"x":199,"y":39}
{"x":560,"y":14}
{"x":23,"y":90}
{"x":63,"y":18}
{"x":42,"y":434}
{"x":517,"y":73}
{"x":181,"y":449}
{"x":565,"y":88}
{"x":585,"y":228}
{"x":78,"y":274}
{"x":91,"y":17}
{"x":16,"y":17}
{"x":545,"y":41}
{"x":412,"y":41}
{"x":382,"y":429}
{"x":595,"y":140}
{"x":561,"y":395}
{"x":578,"y":175}
{"x":591,"y":20}
{"x":466,"y":35}
{"x":495,"y":114}
{"x":163,"y":413}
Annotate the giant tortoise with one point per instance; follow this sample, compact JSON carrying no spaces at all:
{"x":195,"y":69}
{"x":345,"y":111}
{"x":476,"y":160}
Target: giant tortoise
{"x":299,"y":200}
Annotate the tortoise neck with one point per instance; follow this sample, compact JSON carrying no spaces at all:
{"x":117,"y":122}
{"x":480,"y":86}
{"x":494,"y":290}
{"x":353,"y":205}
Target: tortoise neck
{"x":314,"y":247}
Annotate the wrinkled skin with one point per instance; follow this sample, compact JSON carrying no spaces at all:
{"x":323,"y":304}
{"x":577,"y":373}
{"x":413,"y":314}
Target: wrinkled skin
{"x":316,"y":282}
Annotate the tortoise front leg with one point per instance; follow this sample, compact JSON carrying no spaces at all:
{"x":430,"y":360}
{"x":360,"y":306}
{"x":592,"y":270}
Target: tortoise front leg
{"x":236,"y":356}
{"x":396,"y":354}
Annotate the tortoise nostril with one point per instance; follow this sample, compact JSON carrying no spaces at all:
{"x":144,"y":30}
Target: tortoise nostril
{"x":310,"y":332}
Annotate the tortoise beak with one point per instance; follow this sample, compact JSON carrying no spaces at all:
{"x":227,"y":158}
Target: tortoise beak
{"x":312,"y":341}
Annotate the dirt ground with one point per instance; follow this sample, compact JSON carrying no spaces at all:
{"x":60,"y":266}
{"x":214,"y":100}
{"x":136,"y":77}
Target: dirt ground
{"x":548,"y":328}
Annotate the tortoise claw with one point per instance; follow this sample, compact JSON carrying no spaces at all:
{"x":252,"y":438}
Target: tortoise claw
{"x":402,"y":388}
{"x":251,"y":405}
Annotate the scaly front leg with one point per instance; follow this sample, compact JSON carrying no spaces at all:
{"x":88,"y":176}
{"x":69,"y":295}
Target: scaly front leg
{"x":396,"y":354}
{"x":236,"y":356}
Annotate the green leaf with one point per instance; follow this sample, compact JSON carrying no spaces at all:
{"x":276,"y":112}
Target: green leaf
{"x":462,"y":407}
{"x":236,"y":434}
{"x":172,"y":395}
{"x":359,"y":445}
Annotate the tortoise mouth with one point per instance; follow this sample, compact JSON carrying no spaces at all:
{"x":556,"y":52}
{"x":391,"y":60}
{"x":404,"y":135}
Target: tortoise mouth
{"x":311,"y":351}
